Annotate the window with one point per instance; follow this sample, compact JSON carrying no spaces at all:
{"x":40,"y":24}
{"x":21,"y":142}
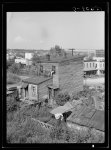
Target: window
{"x":90,"y":64}
{"x":54,"y":69}
{"x":93,"y":64}
{"x":41,"y":68}
{"x":87,"y":65}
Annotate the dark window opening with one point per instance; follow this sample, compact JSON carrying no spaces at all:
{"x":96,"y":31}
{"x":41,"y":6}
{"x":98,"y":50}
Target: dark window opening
{"x":41,"y":68}
{"x":54,"y":69}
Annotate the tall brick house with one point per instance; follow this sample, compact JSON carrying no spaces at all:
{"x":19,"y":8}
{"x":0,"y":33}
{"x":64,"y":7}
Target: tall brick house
{"x":67,"y":74}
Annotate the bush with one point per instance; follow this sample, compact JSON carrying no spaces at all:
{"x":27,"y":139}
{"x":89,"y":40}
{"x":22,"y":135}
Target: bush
{"x":62,"y":98}
{"x":12,"y":78}
{"x":12,"y":104}
{"x":10,"y":63}
{"x":15,"y":68}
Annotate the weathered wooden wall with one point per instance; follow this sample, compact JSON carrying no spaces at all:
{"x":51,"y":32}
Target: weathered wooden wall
{"x":43,"y":89}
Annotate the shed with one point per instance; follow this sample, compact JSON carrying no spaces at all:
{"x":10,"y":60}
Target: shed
{"x":35,"y":88}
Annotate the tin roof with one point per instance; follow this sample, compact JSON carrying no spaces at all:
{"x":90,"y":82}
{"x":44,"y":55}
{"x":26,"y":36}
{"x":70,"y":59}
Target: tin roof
{"x":88,"y":117}
{"x":36,"y":80}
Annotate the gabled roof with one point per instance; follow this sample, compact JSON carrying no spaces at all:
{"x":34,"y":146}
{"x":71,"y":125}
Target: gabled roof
{"x":36,"y":80}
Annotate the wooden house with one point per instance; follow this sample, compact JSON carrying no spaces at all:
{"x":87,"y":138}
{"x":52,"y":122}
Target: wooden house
{"x":35,"y":88}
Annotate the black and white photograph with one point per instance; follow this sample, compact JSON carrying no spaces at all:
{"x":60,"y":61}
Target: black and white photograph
{"x":55,"y":77}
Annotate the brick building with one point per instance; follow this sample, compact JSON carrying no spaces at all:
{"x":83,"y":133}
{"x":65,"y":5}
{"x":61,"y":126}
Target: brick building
{"x":67,"y":74}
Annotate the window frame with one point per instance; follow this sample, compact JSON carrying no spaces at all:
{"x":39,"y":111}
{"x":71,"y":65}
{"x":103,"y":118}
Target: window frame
{"x":54,"y":69}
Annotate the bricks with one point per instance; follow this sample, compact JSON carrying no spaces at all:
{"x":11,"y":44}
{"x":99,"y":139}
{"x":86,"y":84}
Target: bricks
{"x":68,"y":76}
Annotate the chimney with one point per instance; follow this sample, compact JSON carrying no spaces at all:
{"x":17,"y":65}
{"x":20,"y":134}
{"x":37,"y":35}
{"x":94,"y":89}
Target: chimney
{"x":48,"y":57}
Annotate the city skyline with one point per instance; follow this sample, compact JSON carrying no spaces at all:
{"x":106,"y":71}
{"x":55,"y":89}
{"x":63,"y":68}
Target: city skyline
{"x":43,"y":30}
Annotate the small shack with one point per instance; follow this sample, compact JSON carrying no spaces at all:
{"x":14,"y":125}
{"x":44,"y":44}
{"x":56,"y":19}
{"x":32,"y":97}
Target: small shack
{"x":35,"y":88}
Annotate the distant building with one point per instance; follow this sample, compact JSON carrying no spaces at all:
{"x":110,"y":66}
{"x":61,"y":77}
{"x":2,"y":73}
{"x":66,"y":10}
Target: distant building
{"x":90,"y":67}
{"x":99,"y":53}
{"x":23,"y":61}
{"x":28,"y":56}
{"x":94,"y":66}
{"x":20,"y":60}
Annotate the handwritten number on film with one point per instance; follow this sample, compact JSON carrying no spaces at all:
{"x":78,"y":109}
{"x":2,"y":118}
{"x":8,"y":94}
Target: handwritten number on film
{"x":95,"y":8}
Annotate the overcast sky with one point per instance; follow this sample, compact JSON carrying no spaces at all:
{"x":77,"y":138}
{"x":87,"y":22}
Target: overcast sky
{"x":43,"y":30}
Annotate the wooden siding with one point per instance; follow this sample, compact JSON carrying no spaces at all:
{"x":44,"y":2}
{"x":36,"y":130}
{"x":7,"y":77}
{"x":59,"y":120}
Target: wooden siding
{"x":43,"y":89}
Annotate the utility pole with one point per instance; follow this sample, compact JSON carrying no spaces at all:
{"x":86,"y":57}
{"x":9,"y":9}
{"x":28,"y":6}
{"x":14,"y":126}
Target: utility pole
{"x":72,"y":49}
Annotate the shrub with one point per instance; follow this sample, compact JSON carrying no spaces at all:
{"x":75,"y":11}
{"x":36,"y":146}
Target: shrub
{"x":14,"y":68}
{"x":62,"y":98}
{"x":12,"y":78}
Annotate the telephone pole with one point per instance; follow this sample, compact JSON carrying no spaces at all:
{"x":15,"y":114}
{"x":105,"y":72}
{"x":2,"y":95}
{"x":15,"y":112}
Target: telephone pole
{"x":72,"y":49}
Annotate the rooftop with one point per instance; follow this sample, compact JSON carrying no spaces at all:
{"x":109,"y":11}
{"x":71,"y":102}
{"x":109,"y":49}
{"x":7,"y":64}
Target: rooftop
{"x":89,"y":60}
{"x":61,"y":59}
{"x":89,"y":117}
{"x":36,"y":80}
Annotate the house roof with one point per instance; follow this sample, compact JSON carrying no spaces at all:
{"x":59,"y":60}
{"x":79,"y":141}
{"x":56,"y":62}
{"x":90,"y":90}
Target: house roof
{"x":61,"y":59}
{"x":36,"y":80}
{"x":62,"y":109}
{"x":89,"y":117}
{"x":90,"y":60}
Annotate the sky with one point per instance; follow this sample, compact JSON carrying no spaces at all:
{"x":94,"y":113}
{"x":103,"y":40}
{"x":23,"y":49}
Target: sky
{"x":43,"y":30}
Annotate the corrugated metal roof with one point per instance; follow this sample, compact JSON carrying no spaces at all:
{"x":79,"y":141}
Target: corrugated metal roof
{"x":89,"y":117}
{"x":36,"y":80}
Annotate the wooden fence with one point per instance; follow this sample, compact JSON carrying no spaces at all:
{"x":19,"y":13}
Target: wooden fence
{"x":44,"y":125}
